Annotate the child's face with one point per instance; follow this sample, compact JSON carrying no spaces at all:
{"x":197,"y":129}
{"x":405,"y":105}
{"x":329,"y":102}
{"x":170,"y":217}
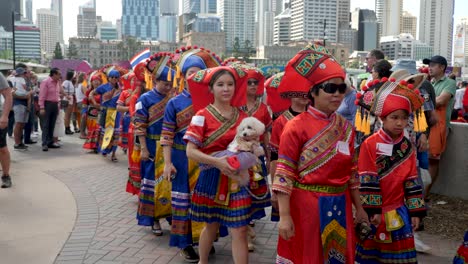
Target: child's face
{"x":395,"y":122}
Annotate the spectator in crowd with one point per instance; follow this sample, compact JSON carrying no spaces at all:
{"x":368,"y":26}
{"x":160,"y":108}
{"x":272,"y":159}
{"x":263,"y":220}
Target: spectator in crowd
{"x":48,"y":103}
{"x":80,"y":93}
{"x":445,"y":89}
{"x":21,"y":106}
{"x":28,"y":127}
{"x":348,"y":108}
{"x":69,"y":89}
{"x":381,"y":68}
{"x":458,"y":106}
{"x":5,"y":107}
{"x":372,"y":57}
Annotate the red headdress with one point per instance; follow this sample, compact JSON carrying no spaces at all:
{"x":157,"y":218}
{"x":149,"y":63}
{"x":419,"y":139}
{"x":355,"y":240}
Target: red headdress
{"x":274,"y":100}
{"x":252,"y":73}
{"x":311,"y":66}
{"x":198,"y":85}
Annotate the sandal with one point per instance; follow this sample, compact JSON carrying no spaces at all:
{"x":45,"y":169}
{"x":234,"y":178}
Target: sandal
{"x":156,"y":229}
{"x":114,"y":159}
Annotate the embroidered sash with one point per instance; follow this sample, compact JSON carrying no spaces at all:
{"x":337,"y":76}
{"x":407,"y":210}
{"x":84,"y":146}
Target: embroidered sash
{"x":111,"y":114}
{"x":226,"y":125}
{"x":322,"y":147}
{"x":156,"y":111}
{"x":401,"y":152}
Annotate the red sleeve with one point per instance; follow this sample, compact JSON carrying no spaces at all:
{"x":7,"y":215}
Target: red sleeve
{"x":196,"y":130}
{"x":371,"y":197}
{"x":122,"y":98}
{"x":276,"y":131}
{"x":465,"y":100}
{"x":288,"y":157}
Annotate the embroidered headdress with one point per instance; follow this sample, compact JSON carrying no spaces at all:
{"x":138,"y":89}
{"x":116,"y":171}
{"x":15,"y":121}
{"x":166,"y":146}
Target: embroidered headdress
{"x":382,"y":97}
{"x":311,"y":66}
{"x":158,"y":66}
{"x":274,"y":100}
{"x":252,"y":73}
{"x":198,"y":85}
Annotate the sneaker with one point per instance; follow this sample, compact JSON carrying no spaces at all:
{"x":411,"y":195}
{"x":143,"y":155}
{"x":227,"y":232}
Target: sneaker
{"x":30,"y":142}
{"x":68,"y":131}
{"x":190,"y":255}
{"x":20,"y":147}
{"x":420,"y":246}
{"x":54,"y":145}
{"x":45,"y":148}
{"x":77,"y":130}
{"x":6,"y":181}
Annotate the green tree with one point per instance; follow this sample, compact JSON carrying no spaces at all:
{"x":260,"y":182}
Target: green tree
{"x":6,"y":54}
{"x":58,"y":52}
{"x":128,"y":47}
{"x":236,"y":47}
{"x":354,"y":64}
{"x":247,"y":50}
{"x":72,"y":51}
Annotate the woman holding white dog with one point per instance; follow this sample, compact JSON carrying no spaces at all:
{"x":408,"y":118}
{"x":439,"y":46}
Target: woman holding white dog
{"x":217,"y":200}
{"x":315,"y":181}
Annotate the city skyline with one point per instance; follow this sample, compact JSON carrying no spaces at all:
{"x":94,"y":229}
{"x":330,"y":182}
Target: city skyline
{"x":71,"y":9}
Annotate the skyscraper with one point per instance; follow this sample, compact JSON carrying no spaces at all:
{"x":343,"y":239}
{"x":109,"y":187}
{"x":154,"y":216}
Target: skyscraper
{"x":281,"y":31}
{"x":8,"y":6}
{"x":460,"y":47}
{"x":28,"y":9}
{"x":57,"y":7}
{"x":365,"y":21}
{"x":168,"y":7}
{"x":47,"y":21}
{"x":436,"y":26}
{"x":264,"y":21}
{"x":140,"y":19}
{"x":86,"y":20}
{"x":389,"y":16}
{"x":237,"y":20}
{"x":314,"y":20}
{"x":408,"y":24}
{"x":168,"y":10}
{"x":199,"y":6}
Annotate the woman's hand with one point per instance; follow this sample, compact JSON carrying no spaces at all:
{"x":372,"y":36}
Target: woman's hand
{"x":144,"y":154}
{"x":361,"y":216}
{"x":415,"y":222}
{"x":169,"y":170}
{"x":423,"y":145}
{"x":223,"y":165}
{"x":286,"y":227}
{"x":376,"y":219}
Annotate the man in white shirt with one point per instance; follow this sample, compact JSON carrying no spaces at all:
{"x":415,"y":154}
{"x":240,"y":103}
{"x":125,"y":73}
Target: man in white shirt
{"x":21,"y":103}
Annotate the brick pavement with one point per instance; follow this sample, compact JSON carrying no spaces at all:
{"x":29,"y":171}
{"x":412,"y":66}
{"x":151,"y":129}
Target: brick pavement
{"x":105,"y":230}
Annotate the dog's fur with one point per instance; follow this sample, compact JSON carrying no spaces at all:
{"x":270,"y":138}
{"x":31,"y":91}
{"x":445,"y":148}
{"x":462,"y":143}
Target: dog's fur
{"x":248,"y":137}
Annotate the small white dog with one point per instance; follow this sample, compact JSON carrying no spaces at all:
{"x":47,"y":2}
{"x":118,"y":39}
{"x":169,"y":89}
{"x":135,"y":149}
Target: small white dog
{"x":248,"y":137}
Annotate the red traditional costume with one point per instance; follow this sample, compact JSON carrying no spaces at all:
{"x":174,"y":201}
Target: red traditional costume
{"x":311,"y":146}
{"x":389,"y":179}
{"x":92,"y":125}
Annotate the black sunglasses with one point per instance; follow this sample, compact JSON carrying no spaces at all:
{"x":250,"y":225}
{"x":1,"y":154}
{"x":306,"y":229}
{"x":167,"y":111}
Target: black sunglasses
{"x":331,"y":88}
{"x":252,"y":82}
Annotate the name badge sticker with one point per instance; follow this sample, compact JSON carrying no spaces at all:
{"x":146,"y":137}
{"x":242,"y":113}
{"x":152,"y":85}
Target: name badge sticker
{"x":384,"y":149}
{"x":198,"y":121}
{"x":343,"y":147}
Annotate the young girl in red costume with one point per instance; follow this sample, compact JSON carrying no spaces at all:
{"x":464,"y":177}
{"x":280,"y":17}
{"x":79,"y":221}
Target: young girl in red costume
{"x":390,"y":190}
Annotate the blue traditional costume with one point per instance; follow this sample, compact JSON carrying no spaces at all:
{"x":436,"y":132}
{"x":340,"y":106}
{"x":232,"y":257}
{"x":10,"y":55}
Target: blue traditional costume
{"x":148,"y":122}
{"x":109,"y":120}
{"x":177,"y":117}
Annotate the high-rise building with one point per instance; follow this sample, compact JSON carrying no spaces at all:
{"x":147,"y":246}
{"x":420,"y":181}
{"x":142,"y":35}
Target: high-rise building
{"x":28,"y":10}
{"x":57,"y":7}
{"x":118,"y":25}
{"x":27,"y":41}
{"x":167,"y":28}
{"x":86,"y":21}
{"x":105,"y":30}
{"x":264,"y":22}
{"x":343,"y":13}
{"x":278,"y":7}
{"x":421,"y":51}
{"x":397,"y":47}
{"x":314,"y":20}
{"x":389,"y":16}
{"x":365,"y":22}
{"x":6,"y":40}
{"x":237,"y":20}
{"x":7,"y":7}
{"x":460,"y":46}
{"x":205,"y":23}
{"x":408,"y":24}
{"x":168,"y":7}
{"x":140,"y":19}
{"x":47,"y":21}
{"x":282,"y":31}
{"x":436,"y":26}
{"x":199,"y":6}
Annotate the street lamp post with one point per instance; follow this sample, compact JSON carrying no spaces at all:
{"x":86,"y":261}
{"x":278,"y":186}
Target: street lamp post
{"x":324,"y":30}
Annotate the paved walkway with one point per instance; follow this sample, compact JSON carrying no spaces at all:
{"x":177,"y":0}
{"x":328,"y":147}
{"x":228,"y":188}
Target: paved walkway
{"x":67,"y":206}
